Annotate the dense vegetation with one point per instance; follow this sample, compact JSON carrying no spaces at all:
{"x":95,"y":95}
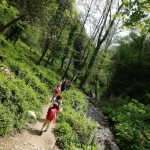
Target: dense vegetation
{"x":74,"y":129}
{"x":44,"y":40}
{"x":26,"y":89}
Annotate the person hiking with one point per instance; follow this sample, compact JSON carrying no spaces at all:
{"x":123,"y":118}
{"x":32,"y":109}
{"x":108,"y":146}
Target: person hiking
{"x":63,"y":85}
{"x":59,"y":100}
{"x":56,"y":92}
{"x":51,"y":116}
{"x":68,"y":85}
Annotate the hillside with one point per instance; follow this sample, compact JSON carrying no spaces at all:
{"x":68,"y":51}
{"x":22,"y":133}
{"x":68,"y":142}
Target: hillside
{"x":29,"y":139}
{"x":43,"y":42}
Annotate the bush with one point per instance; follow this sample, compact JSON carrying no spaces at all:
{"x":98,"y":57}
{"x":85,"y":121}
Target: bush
{"x":66,"y":136}
{"x":25,"y":90}
{"x":132,"y":126}
{"x":73,"y":122}
{"x":6,"y":119}
{"x":7,"y":12}
{"x":18,"y":99}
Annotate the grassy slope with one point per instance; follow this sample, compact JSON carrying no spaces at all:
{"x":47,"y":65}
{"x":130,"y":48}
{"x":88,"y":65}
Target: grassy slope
{"x":29,"y":88}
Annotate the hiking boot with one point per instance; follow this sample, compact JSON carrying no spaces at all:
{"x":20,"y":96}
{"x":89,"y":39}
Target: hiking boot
{"x":45,"y":131}
{"x":40,"y":133}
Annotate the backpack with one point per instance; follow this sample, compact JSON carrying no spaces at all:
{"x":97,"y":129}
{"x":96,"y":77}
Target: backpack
{"x":69,"y":84}
{"x":57,"y":90}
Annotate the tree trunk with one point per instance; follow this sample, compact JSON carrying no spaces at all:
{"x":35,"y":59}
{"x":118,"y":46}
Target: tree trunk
{"x":62,"y":62}
{"x":3,"y":28}
{"x":92,"y":59}
{"x":101,"y":39}
{"x":81,"y":65}
{"x":44,"y":51}
{"x":65,"y":74}
{"x":87,"y":15}
{"x":76,"y":74}
{"x":69,"y":42}
{"x":17,"y":36}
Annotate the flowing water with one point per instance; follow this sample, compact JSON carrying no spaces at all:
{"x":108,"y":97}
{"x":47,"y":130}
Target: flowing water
{"x":103,"y":135}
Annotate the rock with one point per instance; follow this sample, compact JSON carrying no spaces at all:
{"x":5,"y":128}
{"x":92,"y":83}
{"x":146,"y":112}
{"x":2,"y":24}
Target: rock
{"x":32,"y":114}
{"x":28,"y":125}
{"x":12,"y":138}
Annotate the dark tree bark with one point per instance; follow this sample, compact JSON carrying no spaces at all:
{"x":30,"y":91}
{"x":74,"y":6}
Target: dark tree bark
{"x":47,"y":43}
{"x":3,"y":28}
{"x":69,"y":42}
{"x":14,"y":34}
{"x":66,"y":72}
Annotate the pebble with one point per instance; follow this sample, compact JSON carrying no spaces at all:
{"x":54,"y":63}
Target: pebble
{"x":12,"y":138}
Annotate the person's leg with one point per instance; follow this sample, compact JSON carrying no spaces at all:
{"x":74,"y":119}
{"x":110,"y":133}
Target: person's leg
{"x":47,"y":126}
{"x":53,"y":98}
{"x":44,"y":124}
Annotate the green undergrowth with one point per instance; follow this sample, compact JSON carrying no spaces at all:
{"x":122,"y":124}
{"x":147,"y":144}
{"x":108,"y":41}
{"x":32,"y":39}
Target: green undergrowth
{"x":27,"y":88}
{"x":131,"y":123}
{"x":74,"y":130}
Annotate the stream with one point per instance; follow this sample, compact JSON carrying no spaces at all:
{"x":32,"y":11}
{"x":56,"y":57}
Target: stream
{"x":103,"y":135}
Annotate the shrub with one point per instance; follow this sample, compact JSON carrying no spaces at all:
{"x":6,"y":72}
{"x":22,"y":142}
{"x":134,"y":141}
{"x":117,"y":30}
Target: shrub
{"x":6,"y":119}
{"x":66,"y":137}
{"x":7,"y":12}
{"x":132,"y":126}
{"x":73,"y":122}
{"x":18,"y":98}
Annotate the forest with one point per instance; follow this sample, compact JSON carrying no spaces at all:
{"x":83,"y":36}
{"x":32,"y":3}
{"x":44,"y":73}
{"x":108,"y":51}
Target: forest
{"x":102,"y":47}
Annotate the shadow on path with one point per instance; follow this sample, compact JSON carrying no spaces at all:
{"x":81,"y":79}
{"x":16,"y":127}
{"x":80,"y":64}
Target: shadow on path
{"x":41,"y":120}
{"x":33,"y":131}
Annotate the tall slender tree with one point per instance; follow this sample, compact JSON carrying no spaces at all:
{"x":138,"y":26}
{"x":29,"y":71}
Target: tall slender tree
{"x":105,"y":29}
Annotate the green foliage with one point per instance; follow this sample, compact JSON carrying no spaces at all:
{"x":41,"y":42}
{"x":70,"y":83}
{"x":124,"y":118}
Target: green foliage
{"x":130,"y":69}
{"x":72,"y":122}
{"x":66,"y":136}
{"x":76,"y":99}
{"x":29,"y":85}
{"x":132,"y":125}
{"x":18,"y":99}
{"x":6,"y":119}
{"x":7,"y":13}
{"x":27,"y":89}
{"x":136,"y":14}
{"x":31,"y":36}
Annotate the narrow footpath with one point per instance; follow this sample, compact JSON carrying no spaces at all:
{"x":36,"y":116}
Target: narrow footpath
{"x":29,"y":138}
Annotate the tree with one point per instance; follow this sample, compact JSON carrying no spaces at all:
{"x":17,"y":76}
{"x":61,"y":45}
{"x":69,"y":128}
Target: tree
{"x":57,"y":24}
{"x":72,"y":35}
{"x":135,"y":13}
{"x":130,"y":72}
{"x":107,"y":22}
{"x":29,"y":10}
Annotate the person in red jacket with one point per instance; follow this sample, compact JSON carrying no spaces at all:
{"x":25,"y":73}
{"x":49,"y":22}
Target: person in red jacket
{"x":51,"y":116}
{"x":56,"y":92}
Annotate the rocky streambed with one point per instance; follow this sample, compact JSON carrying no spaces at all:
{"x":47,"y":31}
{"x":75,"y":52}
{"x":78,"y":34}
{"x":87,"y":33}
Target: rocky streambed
{"x":103,"y":135}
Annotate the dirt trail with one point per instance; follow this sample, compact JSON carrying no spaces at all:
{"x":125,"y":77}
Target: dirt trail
{"x":29,"y":138}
